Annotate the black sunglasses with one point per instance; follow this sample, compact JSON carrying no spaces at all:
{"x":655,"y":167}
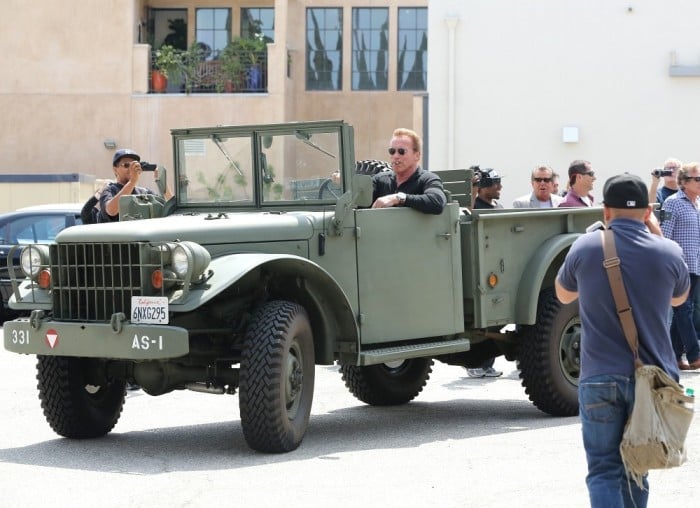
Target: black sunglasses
{"x":540,"y":180}
{"x":694,"y":178}
{"x":589,"y":173}
{"x":402,"y":151}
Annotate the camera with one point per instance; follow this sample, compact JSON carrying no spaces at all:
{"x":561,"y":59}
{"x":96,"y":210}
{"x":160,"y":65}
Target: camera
{"x":147,"y":166}
{"x":659,"y":172}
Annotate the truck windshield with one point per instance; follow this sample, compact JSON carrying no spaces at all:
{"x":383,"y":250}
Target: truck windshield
{"x":297,"y":165}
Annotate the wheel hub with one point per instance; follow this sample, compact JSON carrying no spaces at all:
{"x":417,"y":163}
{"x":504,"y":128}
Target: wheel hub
{"x":570,"y":351}
{"x":294,"y":382}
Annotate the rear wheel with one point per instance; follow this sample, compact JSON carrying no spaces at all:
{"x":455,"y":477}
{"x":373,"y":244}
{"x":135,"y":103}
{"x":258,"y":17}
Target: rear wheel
{"x":388,"y":384}
{"x":75,"y":405}
{"x":550,"y":356}
{"x":277,"y":377}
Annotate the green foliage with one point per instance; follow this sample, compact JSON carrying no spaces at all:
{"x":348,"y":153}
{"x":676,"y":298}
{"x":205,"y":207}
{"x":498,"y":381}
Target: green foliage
{"x":191,"y":59}
{"x":231,"y":66}
{"x":167,"y":60}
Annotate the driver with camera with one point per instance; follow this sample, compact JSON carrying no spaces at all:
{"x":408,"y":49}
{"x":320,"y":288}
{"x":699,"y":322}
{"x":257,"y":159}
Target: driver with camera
{"x":127,"y":167}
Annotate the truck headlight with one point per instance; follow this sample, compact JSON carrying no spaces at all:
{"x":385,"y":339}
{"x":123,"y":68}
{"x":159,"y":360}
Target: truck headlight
{"x":33,"y":258}
{"x":189,"y":257}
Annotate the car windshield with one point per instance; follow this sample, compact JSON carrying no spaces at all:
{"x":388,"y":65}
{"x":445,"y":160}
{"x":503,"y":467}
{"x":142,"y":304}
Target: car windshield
{"x":259,"y":168}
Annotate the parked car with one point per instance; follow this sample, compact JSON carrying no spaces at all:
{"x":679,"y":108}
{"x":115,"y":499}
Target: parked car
{"x":34,"y":224}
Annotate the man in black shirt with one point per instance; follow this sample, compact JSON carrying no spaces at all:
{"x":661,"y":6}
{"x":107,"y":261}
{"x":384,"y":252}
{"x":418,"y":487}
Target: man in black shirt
{"x":408,"y":184}
{"x":489,"y":189}
{"x":127,"y":171}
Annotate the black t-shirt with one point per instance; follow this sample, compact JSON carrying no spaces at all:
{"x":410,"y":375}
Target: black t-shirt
{"x":108,"y":193}
{"x":423,"y":190}
{"x":483,"y":205}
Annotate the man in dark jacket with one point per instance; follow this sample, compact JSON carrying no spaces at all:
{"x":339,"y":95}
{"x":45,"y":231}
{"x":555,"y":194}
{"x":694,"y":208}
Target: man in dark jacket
{"x":407,"y":184}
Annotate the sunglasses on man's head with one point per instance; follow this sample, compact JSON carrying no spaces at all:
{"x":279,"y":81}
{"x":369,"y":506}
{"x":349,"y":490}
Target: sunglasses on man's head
{"x":540,"y":180}
{"x":402,"y":151}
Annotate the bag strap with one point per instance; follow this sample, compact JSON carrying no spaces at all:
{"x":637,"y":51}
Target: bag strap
{"x":611,"y":263}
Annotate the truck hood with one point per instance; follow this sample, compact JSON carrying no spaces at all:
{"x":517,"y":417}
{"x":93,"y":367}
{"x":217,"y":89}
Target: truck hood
{"x":202,"y":228}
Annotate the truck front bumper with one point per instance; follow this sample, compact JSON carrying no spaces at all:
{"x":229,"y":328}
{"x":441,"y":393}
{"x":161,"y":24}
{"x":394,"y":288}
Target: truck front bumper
{"x":95,"y":340}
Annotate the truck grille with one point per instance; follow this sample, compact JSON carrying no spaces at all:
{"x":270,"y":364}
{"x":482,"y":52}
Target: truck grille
{"x":92,"y":281}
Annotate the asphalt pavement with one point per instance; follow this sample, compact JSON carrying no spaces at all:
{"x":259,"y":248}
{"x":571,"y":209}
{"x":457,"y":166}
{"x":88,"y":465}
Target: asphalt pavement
{"x":463,"y":442}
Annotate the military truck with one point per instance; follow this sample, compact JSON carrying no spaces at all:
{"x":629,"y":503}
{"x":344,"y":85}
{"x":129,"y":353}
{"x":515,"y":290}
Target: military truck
{"x":268,"y":261}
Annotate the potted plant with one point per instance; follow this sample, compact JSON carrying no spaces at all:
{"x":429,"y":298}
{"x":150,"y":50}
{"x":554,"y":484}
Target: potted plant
{"x":167,"y":60}
{"x":251,"y":52}
{"x":231,"y":75}
{"x":191,"y":64}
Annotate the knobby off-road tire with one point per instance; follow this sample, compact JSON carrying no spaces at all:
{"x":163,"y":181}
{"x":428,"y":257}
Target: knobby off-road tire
{"x":73,"y":407}
{"x":277,"y":377}
{"x":550,"y":356}
{"x":387,"y":384}
{"x":371,"y":167}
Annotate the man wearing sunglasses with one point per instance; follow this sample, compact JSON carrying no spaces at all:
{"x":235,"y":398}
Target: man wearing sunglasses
{"x":682,"y":225}
{"x":127,"y":171}
{"x":408,"y":184}
{"x":581,"y":179}
{"x":542,"y":196}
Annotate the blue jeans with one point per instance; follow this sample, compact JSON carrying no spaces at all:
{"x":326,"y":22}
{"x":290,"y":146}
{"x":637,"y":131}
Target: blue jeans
{"x":683,"y":318}
{"x":605,"y":403}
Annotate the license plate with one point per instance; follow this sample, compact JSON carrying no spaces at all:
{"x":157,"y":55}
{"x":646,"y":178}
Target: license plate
{"x":149,"y":310}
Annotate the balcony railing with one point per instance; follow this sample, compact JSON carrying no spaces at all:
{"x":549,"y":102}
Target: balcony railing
{"x":215,"y":76}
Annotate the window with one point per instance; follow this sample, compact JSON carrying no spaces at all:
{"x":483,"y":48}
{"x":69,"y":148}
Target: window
{"x":256,"y":21}
{"x":370,"y":45}
{"x":324,"y":49}
{"x":213,"y":31}
{"x":412,"y":48}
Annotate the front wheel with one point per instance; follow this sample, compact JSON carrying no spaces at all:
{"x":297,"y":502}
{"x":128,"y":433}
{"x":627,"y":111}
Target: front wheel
{"x":277,"y":377}
{"x":74,"y":405}
{"x":387,"y":384}
{"x":550,"y":356}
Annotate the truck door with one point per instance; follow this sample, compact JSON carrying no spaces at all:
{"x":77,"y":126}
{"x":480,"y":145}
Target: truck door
{"x":409,"y":274}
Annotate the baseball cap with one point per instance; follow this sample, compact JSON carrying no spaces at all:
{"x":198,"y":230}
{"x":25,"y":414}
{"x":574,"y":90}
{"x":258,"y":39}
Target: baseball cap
{"x":124,"y":152}
{"x":625,"y":191}
{"x":488,"y":177}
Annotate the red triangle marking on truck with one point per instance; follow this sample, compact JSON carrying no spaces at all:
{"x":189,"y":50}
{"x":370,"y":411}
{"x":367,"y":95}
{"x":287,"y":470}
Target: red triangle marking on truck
{"x":52,"y":338}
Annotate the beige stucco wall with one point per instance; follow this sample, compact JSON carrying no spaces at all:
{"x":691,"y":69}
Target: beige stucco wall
{"x":524,"y":70}
{"x":75,"y":75}
{"x":14,"y":195}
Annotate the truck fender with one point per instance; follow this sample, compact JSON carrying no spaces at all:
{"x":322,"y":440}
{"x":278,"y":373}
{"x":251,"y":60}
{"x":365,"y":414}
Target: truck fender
{"x":332,"y":318}
{"x":539,"y":274}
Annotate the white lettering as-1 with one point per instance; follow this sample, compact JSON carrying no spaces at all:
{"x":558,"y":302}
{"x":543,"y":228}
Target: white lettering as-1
{"x":145,"y":342}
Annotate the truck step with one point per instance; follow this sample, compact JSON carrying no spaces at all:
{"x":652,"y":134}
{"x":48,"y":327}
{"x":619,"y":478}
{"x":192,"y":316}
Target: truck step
{"x":390,"y":354}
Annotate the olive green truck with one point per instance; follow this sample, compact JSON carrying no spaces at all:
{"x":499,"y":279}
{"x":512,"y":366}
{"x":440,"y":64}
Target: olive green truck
{"x":268,"y":261}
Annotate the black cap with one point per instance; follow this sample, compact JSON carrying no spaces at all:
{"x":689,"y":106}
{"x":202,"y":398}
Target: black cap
{"x":625,"y":191}
{"x":488,"y":177}
{"x":124,"y":152}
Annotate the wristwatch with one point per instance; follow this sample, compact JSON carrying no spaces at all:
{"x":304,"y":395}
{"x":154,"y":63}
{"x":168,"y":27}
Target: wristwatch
{"x":402,"y":197}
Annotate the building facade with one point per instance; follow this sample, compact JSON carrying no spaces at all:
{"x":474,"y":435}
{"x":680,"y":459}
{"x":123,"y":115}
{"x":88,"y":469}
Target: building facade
{"x":78,"y":74}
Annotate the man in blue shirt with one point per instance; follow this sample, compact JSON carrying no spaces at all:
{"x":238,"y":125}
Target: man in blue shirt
{"x":654,"y":275}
